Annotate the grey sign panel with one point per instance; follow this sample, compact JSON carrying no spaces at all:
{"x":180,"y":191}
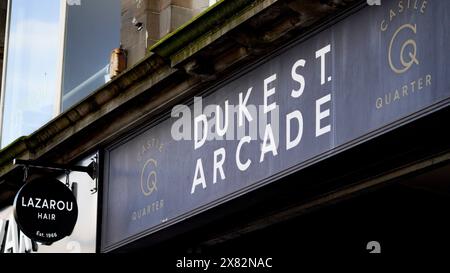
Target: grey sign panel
{"x":375,"y":70}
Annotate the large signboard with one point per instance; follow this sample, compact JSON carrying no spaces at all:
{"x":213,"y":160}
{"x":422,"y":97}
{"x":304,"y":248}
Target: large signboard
{"x":375,"y":70}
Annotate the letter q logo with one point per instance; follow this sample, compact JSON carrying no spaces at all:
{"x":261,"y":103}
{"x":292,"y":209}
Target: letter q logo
{"x":148,"y":177}
{"x":373,"y":247}
{"x":411,"y":58}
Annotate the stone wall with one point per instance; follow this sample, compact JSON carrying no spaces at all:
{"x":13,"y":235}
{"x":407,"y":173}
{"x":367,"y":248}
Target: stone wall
{"x":157,"y":18}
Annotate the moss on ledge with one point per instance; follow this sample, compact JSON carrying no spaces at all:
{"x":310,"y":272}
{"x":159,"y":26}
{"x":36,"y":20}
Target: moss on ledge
{"x":198,"y":25}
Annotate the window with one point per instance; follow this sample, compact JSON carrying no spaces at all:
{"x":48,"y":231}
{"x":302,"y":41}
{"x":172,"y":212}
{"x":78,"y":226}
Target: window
{"x":57,"y":53}
{"x":30,"y":83}
{"x":92,"y":32}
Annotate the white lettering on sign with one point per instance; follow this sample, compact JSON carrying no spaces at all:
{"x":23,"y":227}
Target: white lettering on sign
{"x":321,"y":54}
{"x":268,"y":144}
{"x":218,"y":164}
{"x":269,"y":91}
{"x":268,"y":121}
{"x":40,"y":203}
{"x":320,"y":115}
{"x":46,"y":216}
{"x":243,"y":110}
{"x":296,"y":115}
{"x":242,"y":166}
{"x":203,"y":131}
{"x":199,"y":177}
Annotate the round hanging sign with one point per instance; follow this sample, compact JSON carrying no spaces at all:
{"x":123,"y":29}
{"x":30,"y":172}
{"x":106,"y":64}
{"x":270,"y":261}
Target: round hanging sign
{"x":45,"y":210}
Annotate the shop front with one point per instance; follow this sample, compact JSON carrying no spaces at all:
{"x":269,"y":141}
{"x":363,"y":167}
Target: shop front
{"x":262,"y":126}
{"x":316,"y":121}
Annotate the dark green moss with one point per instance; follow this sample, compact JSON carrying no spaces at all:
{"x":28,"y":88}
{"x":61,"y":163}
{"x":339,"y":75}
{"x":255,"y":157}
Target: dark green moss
{"x":197,"y":26}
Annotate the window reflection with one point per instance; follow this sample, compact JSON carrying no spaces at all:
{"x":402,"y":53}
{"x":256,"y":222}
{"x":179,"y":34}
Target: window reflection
{"x":31,"y":81}
{"x":92,"y":32}
{"x":34,"y":91}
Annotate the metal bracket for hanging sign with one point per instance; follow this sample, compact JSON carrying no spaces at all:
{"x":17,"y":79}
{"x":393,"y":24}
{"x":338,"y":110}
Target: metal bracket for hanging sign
{"x":91,"y":169}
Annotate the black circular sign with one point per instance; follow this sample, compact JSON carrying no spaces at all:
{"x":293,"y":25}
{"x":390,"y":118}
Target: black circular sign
{"x":45,"y":210}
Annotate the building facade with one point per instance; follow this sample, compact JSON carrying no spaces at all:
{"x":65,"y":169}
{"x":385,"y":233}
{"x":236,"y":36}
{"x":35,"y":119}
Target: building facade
{"x":255,"y":126}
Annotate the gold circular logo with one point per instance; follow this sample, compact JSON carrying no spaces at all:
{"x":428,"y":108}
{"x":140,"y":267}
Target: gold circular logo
{"x":148,"y":177}
{"x":412,"y":54}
